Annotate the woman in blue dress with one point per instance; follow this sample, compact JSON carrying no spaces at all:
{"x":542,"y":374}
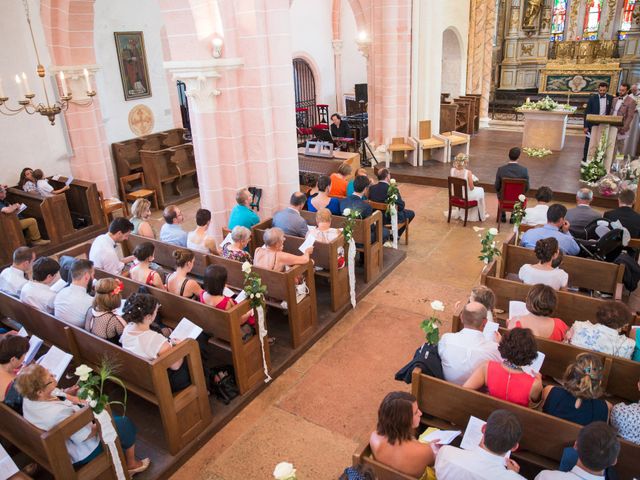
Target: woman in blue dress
{"x":322,"y":199}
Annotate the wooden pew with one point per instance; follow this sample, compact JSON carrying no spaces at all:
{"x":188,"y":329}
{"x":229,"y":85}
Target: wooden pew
{"x":83,"y":200}
{"x":543,"y":436}
{"x":325,"y":255}
{"x":12,"y":237}
{"x":126,"y":157}
{"x":173,"y":137}
{"x":48,"y":448}
{"x":363,"y":457}
{"x":222,"y":325}
{"x":464,"y":122}
{"x":448,"y":115}
{"x":362,"y":234}
{"x":475,"y":110}
{"x":184,"y":414}
{"x":583,"y":272}
{"x":281,"y":286}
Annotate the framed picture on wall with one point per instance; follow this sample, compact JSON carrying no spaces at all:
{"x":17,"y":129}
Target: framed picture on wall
{"x":133,"y":65}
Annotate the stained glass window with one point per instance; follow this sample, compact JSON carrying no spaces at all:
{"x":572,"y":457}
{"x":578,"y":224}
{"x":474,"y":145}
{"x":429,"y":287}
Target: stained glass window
{"x":592,"y":19}
{"x":627,"y":14}
{"x":558,"y":17}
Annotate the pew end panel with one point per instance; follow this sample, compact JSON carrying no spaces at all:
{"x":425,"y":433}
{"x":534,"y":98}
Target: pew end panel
{"x":12,"y":237}
{"x":51,"y":213}
{"x":363,"y":457}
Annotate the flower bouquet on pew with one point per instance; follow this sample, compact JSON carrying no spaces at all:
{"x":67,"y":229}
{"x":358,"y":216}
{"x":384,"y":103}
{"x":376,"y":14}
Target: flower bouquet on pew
{"x":256,"y":293}
{"x":91,"y":386}
{"x":431,"y":325}
{"x":518,"y":214}
{"x":347,"y":231}
{"x":392,"y":209}
{"x":489,"y":249}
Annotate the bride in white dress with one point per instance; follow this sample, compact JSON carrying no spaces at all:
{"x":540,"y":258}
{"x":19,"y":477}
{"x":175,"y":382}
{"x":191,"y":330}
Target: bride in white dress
{"x":459,"y":170}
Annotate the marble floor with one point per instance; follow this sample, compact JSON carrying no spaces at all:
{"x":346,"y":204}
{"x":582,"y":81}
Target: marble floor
{"x":318,"y":412}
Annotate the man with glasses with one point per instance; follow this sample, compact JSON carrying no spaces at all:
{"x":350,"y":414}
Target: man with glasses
{"x":172,"y":231}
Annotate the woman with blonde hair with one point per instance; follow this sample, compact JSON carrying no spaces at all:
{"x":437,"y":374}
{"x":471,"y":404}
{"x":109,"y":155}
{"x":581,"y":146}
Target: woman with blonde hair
{"x":140,"y":215}
{"x":235,"y":250}
{"x":474,"y":193}
{"x":271,"y":256}
{"x":178,"y":282}
{"x":578,"y":399}
{"x":102,"y":320}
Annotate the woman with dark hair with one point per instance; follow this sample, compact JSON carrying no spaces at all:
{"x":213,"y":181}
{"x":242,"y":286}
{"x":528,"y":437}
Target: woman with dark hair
{"x":579,"y":399}
{"x":545,"y":272}
{"x":13,"y":349}
{"x":394,"y":442}
{"x":541,"y":301}
{"x":27,"y":182}
{"x":322,"y":199}
{"x":198,"y":239}
{"x":142,"y":271}
{"x":508,"y":380}
{"x":538,"y":215}
{"x":178,"y":282}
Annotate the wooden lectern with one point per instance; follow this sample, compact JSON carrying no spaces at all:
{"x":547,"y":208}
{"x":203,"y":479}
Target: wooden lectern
{"x":604,"y":125}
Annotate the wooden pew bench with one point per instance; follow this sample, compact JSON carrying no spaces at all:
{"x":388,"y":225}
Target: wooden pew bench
{"x":184,"y":414}
{"x":83,"y":201}
{"x":12,"y":237}
{"x":363,"y":457}
{"x":583,"y":272}
{"x":168,"y":166}
{"x":325,"y":256}
{"x":48,"y":449}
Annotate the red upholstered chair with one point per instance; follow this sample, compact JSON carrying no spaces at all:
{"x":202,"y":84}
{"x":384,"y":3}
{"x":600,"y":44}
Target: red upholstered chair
{"x":458,"y":196}
{"x":511,"y":189}
{"x":323,"y":116}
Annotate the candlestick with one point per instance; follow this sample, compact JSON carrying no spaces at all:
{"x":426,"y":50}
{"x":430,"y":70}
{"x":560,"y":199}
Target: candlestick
{"x":63,"y":84}
{"x":86,"y":78}
{"x":25,"y":81}
{"x":1,"y":89}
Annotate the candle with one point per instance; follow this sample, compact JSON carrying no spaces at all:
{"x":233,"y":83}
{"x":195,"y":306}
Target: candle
{"x":27,"y":90}
{"x":1,"y":89}
{"x":86,"y":78}
{"x":63,"y":84}
{"x":19,"y":85}
{"x":527,"y":99}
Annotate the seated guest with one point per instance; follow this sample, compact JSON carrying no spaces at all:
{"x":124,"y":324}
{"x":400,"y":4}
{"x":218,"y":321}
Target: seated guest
{"x":102,"y":320}
{"x":324,"y":232}
{"x":137,"y":337}
{"x":474,"y":192}
{"x":607,"y":335}
{"x":140,"y":215}
{"x":547,"y":251}
{"x":361,"y":172}
{"x":13,"y":349}
{"x":45,"y":406}
{"x":582,"y":214}
{"x":242,"y":214}
{"x":235,"y":250}
{"x":556,"y":227}
{"x":289,"y":220}
{"x":73,"y":301}
{"x":597,"y":447}
{"x":485,"y":296}
{"x":339,"y":181}
{"x":538,"y":215}
{"x":511,"y":170}
{"x":37,"y":291}
{"x":462,"y":352}
{"x":378,"y":193}
{"x":14,"y":277}
{"x":142,"y":271}
{"x":198,"y":239}
{"x":43,"y":187}
{"x":172,"y":231}
{"x":625,"y":418}
{"x":394,"y":442}
{"x":322,"y":199}
{"x":103,"y":252}
{"x":28,"y":225}
{"x":271,"y":257}
{"x":356,"y":203}
{"x":507,"y":380}
{"x":178,"y":282}
{"x":541,"y":301}
{"x":488,"y":461}
{"x":629,"y":218}
{"x":64,"y":279}
{"x":339,"y":128}
{"x":312,"y":184}
{"x":578,"y":400}
{"x":27,"y":182}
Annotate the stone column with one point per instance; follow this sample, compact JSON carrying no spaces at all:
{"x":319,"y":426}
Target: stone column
{"x":337,"y":62}
{"x":481,"y":32}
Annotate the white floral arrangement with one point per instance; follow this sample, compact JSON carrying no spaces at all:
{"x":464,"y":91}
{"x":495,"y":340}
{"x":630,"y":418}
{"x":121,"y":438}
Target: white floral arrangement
{"x":284,"y":471}
{"x":537,"y":152}
{"x":490,"y":248}
{"x":546,"y":104}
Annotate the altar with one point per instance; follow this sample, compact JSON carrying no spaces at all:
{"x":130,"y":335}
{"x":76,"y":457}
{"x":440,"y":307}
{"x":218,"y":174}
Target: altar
{"x":544,"y":129}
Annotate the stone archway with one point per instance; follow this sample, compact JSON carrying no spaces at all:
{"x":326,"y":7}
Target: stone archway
{"x":451,"y":63}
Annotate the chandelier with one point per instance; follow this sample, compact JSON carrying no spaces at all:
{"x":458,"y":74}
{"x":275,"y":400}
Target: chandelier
{"x":47,"y":109}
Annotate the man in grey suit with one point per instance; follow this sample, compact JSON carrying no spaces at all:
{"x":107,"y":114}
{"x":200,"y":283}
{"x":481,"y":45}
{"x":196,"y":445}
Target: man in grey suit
{"x":289,"y":220}
{"x":511,"y":170}
{"x":582,"y":214}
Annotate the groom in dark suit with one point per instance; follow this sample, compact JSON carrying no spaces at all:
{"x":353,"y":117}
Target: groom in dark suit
{"x":598,"y":104}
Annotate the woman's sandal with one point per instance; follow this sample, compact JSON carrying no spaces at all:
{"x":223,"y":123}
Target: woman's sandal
{"x":145,"y":464}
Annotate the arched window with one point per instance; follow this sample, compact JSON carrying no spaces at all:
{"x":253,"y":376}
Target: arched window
{"x":558,"y":17}
{"x":592,"y":20}
{"x":305,"y":89}
{"x":627,"y":18}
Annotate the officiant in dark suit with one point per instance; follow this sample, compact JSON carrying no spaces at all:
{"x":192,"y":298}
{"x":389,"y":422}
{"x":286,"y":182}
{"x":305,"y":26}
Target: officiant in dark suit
{"x":598,"y":104}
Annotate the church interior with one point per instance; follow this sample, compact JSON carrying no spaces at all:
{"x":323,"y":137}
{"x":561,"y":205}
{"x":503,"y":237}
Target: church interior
{"x":221,"y":221}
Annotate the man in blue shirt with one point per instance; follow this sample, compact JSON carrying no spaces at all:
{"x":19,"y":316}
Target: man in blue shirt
{"x":172,"y":232}
{"x":556,"y":227}
{"x":242,"y":215}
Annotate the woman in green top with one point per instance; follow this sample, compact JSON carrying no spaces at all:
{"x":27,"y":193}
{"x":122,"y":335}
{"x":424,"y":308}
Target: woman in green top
{"x":141,"y":212}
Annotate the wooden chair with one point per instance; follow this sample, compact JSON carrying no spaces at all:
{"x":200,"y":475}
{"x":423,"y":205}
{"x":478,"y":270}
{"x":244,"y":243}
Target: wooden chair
{"x":431,"y":143}
{"x":133,"y":195}
{"x":382,"y":207}
{"x":511,"y":189}
{"x":459,"y":197}
{"x":399,"y":148}
{"x":458,"y":143}
{"x":109,"y":206}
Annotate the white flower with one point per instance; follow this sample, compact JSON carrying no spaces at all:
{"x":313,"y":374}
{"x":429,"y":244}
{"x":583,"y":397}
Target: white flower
{"x":258,"y":295}
{"x":493,"y":244}
{"x":493,"y":231}
{"x":392,"y":181}
{"x":477,"y":229}
{"x":284,"y":471}
{"x":437,"y":305}
{"x":252,"y":296}
{"x":82,"y":372}
{"x":346,"y":212}
{"x":486,"y":260}
{"x":93,"y":403}
{"x":246,"y":267}
{"x":522,"y":198}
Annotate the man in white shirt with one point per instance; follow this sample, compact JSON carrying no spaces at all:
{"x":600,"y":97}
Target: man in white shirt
{"x":13,"y":278}
{"x":73,"y":301}
{"x":37,"y":292}
{"x":538,"y":215}
{"x":500,"y":436}
{"x":598,"y":448}
{"x":465,"y":350}
{"x":103,"y":252}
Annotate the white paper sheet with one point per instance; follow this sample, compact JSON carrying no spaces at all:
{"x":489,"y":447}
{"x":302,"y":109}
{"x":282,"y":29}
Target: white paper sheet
{"x":186,"y":329}
{"x":226,"y":240}
{"x":56,"y":177}
{"x":517,"y":309}
{"x":308,"y":242}
{"x":7,"y":465}
{"x":68,"y":182}
{"x":537,"y":363}
{"x":120,"y":309}
{"x":34,"y":345}
{"x":472,"y":434}
{"x":490,"y":328}
{"x":22,"y":208}
{"x":241,"y":296}
{"x":227,"y":292}
{"x":23,"y":332}
{"x":56,"y":361}
{"x":443,"y":437}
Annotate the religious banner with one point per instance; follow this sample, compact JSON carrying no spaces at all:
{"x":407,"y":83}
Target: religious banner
{"x":133,"y":65}
{"x":578,"y":79}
